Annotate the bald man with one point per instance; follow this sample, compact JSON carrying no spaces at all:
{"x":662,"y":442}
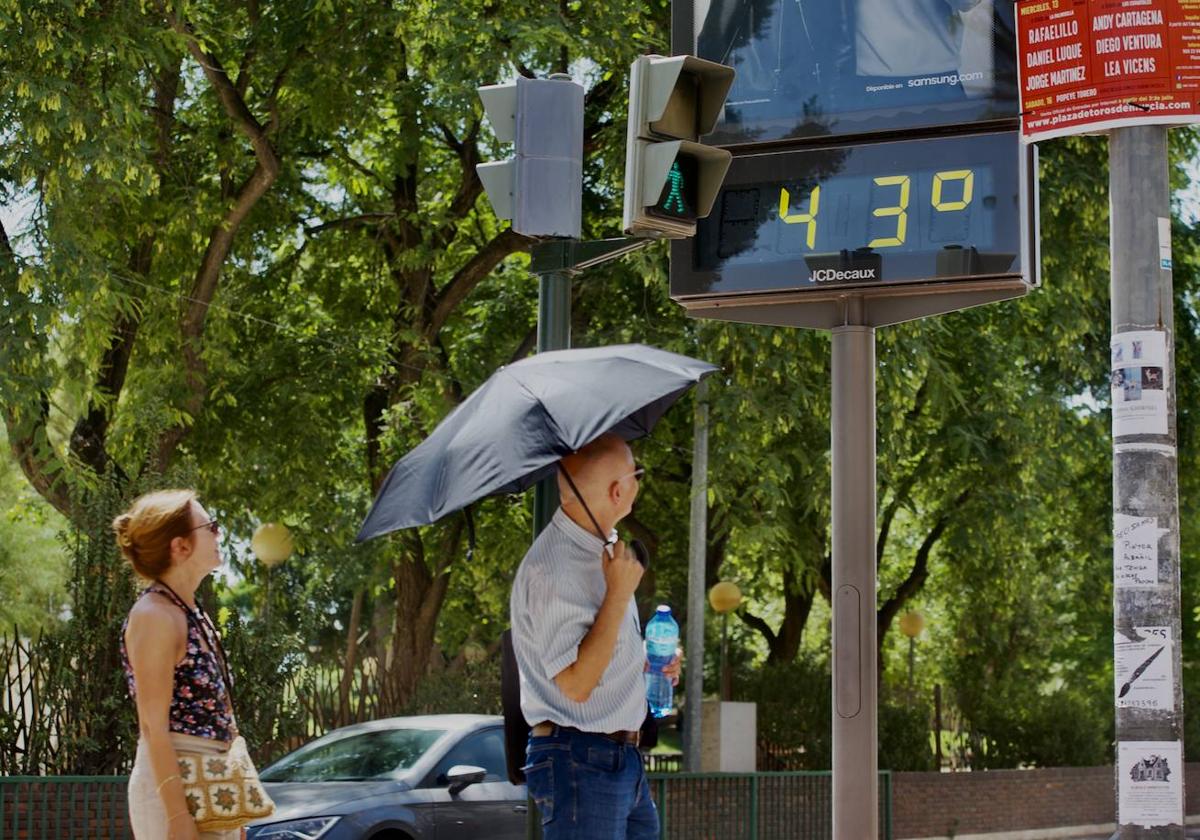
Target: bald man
{"x":579,"y":651}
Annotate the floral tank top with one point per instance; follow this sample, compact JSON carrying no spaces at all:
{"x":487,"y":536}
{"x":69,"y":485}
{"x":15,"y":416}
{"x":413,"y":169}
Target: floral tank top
{"x":200,"y":703}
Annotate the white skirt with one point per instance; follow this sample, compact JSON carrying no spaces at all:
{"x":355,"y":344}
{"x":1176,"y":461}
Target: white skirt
{"x":147,"y":814}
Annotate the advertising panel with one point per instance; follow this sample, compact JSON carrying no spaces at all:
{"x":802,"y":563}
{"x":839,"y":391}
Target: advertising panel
{"x":1087,"y":67}
{"x":831,"y":68}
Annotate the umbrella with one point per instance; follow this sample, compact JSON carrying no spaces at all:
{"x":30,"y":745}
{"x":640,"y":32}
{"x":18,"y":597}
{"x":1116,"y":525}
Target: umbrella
{"x":512,"y":431}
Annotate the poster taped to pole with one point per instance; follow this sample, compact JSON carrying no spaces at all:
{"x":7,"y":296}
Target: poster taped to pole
{"x":1150,"y":779}
{"x":1142,"y":670}
{"x":1139,"y":383}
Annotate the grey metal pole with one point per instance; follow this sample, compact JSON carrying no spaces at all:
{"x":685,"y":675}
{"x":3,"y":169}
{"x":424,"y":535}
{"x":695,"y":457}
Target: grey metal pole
{"x":696,"y":612}
{"x":553,"y":333}
{"x":1145,"y":470}
{"x":855,"y":693}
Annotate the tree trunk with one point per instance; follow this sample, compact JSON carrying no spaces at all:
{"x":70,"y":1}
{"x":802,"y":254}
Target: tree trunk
{"x":351,"y":659}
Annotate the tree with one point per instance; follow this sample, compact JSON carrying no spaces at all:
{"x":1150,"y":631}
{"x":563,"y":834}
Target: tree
{"x":227,"y":173}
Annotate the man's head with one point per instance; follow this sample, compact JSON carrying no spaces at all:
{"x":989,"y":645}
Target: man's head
{"x":607,"y":478}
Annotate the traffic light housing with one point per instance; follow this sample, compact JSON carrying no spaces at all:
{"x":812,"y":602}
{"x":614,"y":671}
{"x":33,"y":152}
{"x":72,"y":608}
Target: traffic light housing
{"x":540,"y":188}
{"x":671,"y":179}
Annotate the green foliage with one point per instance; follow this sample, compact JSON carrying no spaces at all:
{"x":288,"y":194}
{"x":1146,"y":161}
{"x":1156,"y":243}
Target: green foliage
{"x":469,"y":689}
{"x":794,"y":708}
{"x":905,"y":736}
{"x":33,"y":571}
{"x":265,"y":658}
{"x":69,"y":697}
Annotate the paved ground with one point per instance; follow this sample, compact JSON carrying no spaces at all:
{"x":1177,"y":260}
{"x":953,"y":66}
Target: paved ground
{"x":1191,"y":833}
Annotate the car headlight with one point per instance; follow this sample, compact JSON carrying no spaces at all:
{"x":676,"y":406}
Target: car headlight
{"x":308,"y":829}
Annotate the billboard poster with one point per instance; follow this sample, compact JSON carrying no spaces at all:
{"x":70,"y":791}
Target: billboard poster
{"x":1090,"y":65}
{"x":830,"y":68}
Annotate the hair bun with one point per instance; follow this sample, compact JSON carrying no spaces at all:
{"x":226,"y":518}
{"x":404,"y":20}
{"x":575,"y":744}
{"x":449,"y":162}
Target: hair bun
{"x":121,"y":529}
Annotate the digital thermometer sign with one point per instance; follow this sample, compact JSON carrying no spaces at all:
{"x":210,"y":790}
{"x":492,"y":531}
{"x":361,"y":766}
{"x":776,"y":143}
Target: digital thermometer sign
{"x":866,"y":215}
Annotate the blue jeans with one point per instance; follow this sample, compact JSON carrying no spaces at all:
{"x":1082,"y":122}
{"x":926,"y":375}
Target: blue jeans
{"x":588,"y":787}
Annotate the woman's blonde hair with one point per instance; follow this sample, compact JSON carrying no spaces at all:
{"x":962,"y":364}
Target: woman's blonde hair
{"x":144,"y":532}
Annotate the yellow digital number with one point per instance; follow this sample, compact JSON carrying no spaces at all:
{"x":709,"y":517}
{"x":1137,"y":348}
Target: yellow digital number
{"x":809,"y":218}
{"x":899,"y":210}
{"x":967,"y":176}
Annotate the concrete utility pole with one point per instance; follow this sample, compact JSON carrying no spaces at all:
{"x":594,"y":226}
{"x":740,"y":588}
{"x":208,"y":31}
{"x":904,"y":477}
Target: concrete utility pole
{"x":1146,"y":594}
{"x":855,"y":692}
{"x":697,"y":546}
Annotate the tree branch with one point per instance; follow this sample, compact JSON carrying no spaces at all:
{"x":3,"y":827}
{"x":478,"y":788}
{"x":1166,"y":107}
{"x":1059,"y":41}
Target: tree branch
{"x":220,"y":243}
{"x":27,"y":435}
{"x":89,"y":439}
{"x":365,"y":220}
{"x":528,"y":343}
{"x":919,"y":572}
{"x":472,"y":274}
{"x":756,"y":623}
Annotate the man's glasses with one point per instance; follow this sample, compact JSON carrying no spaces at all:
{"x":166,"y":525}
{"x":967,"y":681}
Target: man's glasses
{"x":212,"y":525}
{"x":638,"y":472}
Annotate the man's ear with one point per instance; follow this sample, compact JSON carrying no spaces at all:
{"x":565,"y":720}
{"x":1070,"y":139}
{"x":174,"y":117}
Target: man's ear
{"x":614,"y":492}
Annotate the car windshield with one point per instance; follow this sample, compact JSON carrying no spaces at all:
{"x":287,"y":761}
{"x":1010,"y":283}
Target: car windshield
{"x":377,"y":753}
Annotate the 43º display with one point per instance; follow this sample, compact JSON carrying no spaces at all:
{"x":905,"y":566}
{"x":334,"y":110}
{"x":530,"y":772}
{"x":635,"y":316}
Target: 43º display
{"x":876,"y":213}
{"x":904,"y":211}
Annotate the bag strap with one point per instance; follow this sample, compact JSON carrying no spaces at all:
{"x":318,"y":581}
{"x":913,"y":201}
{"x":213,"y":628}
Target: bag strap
{"x":211,"y":637}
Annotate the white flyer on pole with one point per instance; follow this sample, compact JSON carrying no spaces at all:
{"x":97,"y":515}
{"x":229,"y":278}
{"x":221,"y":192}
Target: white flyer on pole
{"x":1135,"y":551}
{"x":1142,"y":670}
{"x":1139,"y":383}
{"x":1150,"y":781}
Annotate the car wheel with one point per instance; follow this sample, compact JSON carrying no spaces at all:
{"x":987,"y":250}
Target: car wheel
{"x":390,"y":834}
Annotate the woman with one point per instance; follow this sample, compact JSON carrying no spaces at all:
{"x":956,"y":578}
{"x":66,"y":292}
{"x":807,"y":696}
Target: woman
{"x":173,"y":659}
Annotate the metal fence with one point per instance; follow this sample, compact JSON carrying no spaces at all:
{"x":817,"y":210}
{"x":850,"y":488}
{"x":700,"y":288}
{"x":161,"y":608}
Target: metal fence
{"x":692,"y":806}
{"x":757,"y":806}
{"x":63,"y":807}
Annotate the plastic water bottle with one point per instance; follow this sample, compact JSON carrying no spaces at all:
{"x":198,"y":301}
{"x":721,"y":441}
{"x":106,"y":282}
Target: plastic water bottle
{"x":662,"y":637}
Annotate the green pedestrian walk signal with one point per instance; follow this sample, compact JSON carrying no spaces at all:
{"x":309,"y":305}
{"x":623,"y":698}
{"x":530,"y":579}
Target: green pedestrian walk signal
{"x":678,"y":199}
{"x":671,"y":179}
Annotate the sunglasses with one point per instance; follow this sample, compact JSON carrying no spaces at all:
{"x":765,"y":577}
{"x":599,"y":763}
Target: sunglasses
{"x":212,"y":525}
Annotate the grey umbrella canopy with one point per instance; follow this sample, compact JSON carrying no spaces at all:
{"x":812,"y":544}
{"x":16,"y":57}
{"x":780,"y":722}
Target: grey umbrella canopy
{"x":511,"y":432}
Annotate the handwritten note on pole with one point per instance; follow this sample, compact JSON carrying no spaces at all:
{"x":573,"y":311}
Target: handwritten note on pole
{"x":1135,"y":551}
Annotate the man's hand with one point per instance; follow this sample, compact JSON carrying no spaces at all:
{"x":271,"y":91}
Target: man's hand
{"x":672,"y":669}
{"x":622,"y":572}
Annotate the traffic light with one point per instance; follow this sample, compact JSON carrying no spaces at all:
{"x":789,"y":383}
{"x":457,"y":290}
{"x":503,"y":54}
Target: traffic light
{"x":671,"y":180}
{"x":540,"y":187}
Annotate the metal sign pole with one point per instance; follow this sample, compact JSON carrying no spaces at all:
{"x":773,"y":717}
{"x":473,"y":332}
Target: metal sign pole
{"x":855,"y":691}
{"x":697,"y":546}
{"x":1146,"y":595}
{"x":553,"y":333}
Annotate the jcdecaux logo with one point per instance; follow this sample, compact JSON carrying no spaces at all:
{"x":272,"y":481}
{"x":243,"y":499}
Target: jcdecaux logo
{"x":835,"y":275}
